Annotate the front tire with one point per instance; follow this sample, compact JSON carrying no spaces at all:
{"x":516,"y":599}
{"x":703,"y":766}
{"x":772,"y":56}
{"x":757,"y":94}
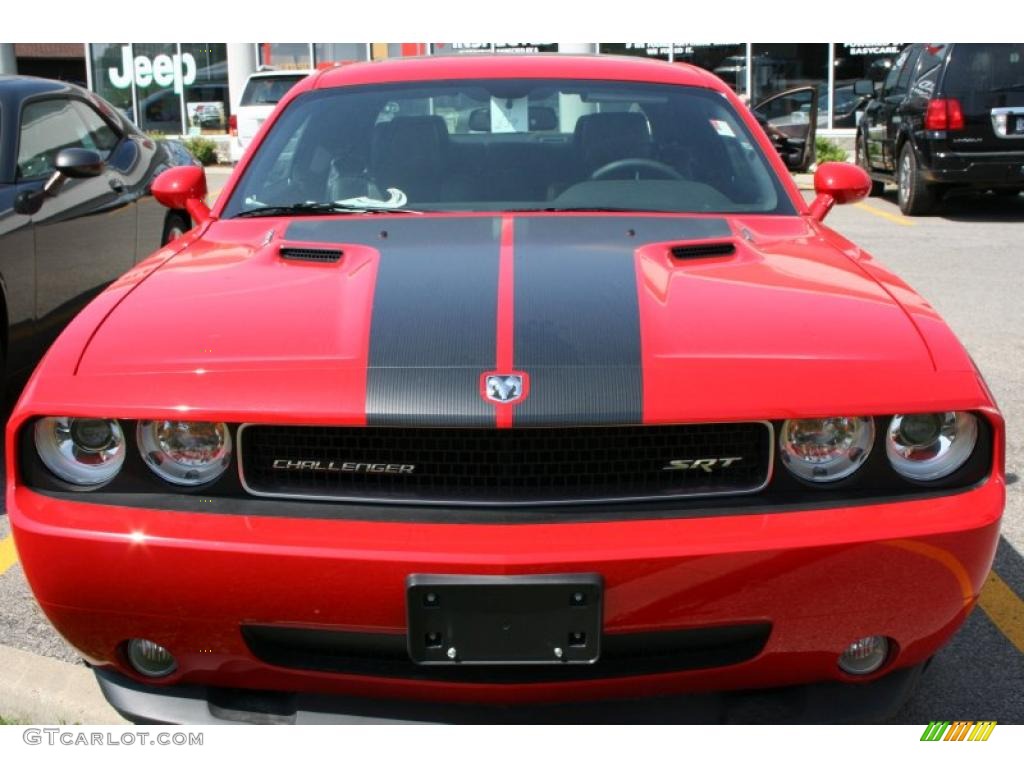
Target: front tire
{"x":916,"y":197}
{"x":176,"y":225}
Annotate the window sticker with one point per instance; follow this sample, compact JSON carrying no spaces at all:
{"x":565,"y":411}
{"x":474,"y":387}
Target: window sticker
{"x":510,"y":115}
{"x":722,"y":128}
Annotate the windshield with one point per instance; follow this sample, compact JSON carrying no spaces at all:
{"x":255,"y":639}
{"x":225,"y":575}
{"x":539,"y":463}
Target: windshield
{"x":985,"y":68}
{"x":492,"y":145}
{"x":267,"y":90}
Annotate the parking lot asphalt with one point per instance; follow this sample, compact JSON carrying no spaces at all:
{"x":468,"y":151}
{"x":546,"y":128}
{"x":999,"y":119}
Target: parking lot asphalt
{"x":965,"y":261}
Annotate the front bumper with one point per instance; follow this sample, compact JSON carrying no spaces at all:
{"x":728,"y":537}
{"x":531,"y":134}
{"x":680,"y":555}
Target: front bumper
{"x":910,"y":570}
{"x":871,"y":702}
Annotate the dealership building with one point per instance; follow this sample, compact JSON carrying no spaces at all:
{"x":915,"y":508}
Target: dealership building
{"x":193,"y":88}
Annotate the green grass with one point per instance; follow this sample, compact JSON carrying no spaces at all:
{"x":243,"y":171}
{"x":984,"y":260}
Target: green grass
{"x":5,"y":721}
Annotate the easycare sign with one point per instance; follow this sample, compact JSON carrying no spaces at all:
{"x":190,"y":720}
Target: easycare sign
{"x":177,"y":70}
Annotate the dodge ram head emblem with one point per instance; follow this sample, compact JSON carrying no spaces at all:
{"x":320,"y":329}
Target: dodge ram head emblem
{"x":504,"y":388}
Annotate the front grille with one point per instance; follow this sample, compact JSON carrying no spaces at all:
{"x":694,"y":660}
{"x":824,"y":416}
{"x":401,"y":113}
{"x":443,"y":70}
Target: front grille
{"x":505,"y":466}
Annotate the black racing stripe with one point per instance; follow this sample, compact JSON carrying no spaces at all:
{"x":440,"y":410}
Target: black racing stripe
{"x":577,"y":324}
{"x":432,"y":331}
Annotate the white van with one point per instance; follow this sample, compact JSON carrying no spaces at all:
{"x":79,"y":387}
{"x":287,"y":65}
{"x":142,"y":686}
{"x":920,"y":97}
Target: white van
{"x":262,"y":92}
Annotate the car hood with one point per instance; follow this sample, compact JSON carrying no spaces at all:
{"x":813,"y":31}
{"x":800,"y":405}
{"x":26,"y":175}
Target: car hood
{"x":603,"y":321}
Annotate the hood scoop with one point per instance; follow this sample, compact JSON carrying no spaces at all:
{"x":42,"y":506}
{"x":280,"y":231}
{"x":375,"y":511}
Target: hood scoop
{"x":315,"y":254}
{"x":703,"y":250}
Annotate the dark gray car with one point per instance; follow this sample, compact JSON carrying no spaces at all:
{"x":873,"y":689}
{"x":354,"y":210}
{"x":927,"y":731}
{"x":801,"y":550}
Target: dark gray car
{"x":66,"y":236}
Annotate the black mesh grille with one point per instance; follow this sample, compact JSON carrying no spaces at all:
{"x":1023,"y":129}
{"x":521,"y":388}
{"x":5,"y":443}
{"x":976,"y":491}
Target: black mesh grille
{"x":703,"y":251}
{"x":310,"y":254}
{"x":506,"y":466}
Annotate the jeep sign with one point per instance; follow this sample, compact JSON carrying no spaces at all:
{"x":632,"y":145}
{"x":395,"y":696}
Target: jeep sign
{"x":163,"y":70}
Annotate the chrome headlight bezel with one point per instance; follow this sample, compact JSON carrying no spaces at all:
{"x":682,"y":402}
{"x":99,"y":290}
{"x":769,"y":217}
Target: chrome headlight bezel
{"x":858,"y":440}
{"x":158,"y":454}
{"x":932,"y":457}
{"x":85,"y":452}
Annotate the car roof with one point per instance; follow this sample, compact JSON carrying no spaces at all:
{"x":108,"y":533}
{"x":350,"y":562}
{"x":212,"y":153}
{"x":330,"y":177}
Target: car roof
{"x":555,"y":65}
{"x":23,"y":86}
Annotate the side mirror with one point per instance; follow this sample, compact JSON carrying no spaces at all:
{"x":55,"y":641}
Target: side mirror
{"x":78,"y":163}
{"x":863,"y":88}
{"x":183,"y":187}
{"x":840,"y":183}
{"x":70,"y":163}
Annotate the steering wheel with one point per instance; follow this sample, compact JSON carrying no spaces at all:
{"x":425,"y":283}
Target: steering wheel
{"x":638,"y":164}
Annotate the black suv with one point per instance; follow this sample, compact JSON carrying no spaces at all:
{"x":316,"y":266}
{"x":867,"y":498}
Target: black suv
{"x":949,"y":115}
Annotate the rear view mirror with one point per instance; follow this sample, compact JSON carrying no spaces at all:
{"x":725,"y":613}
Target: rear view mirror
{"x":543,"y":119}
{"x":540,"y":119}
{"x":480,"y":119}
{"x":863,"y":88}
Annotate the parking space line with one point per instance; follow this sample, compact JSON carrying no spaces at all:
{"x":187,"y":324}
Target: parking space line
{"x":8,"y":554}
{"x":1005,"y":608}
{"x":895,"y":219}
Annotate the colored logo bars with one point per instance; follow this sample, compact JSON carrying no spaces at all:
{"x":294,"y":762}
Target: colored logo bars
{"x":961,"y":730}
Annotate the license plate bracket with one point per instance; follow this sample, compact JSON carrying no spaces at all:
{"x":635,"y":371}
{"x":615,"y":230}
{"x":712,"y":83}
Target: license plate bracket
{"x":533,"y":619}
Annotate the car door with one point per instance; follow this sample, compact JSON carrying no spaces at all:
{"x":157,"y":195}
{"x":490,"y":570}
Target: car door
{"x":17,"y":273}
{"x":790,"y":119}
{"x":888,"y":121}
{"x":873,"y":123}
{"x":85,"y":235}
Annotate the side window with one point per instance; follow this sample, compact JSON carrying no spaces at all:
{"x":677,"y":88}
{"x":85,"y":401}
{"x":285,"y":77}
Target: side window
{"x":55,"y":124}
{"x":784,"y":112}
{"x":899,"y":76}
{"x":98,"y":134}
{"x":928,"y":69}
{"x":908,"y":72}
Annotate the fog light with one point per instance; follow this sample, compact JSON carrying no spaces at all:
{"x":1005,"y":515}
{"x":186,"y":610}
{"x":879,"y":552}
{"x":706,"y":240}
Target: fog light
{"x":150,"y":659}
{"x":864,"y":656}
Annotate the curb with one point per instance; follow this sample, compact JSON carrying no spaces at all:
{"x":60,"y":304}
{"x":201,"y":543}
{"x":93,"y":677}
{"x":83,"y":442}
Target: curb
{"x":40,"y":690}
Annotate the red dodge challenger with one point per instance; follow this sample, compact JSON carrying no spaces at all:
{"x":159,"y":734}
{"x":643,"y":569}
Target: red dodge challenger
{"x":490,"y":386}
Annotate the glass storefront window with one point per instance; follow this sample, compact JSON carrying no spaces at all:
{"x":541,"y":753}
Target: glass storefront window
{"x":647,"y":50}
{"x":778,"y":67}
{"x":853,"y":62}
{"x":109,"y":80}
{"x":207,"y":105}
{"x":727,"y":60}
{"x":157,"y":96}
{"x":332,"y":52}
{"x":454,"y":49}
{"x":285,"y":55}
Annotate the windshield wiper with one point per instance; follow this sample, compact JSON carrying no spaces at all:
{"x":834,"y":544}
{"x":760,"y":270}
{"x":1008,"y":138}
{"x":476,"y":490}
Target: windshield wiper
{"x":1010,"y":87}
{"x":314,"y":209}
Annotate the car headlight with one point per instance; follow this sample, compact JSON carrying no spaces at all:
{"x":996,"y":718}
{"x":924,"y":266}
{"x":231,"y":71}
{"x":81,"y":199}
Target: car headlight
{"x":929,"y":446}
{"x":823,"y":450}
{"x":81,"y":451}
{"x":185,"y":452}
